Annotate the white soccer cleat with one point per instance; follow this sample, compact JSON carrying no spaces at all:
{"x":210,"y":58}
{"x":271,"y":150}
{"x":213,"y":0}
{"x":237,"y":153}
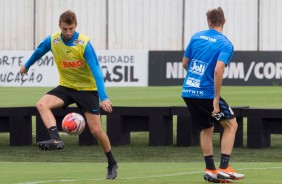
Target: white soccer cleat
{"x":211,"y":176}
{"x":229,"y":173}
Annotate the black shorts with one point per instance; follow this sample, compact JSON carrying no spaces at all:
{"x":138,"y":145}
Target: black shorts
{"x":86,"y":101}
{"x":201,"y":112}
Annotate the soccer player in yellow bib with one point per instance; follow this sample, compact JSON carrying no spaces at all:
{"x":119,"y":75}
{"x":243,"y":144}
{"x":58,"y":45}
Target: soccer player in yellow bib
{"x":81,"y":82}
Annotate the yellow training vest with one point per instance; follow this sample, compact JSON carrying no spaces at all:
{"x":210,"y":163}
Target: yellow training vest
{"x":72,"y":67}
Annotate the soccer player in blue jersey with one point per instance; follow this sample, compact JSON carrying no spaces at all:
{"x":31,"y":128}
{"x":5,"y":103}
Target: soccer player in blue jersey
{"x":205,"y":58}
{"x":81,"y":82}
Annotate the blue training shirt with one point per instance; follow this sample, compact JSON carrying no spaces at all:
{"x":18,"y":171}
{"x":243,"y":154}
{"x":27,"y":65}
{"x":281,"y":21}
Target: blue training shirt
{"x":89,"y":55}
{"x":204,"y":50}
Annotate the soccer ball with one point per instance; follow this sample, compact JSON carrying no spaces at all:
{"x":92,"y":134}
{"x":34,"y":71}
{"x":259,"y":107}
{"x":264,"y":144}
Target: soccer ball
{"x":73,"y":123}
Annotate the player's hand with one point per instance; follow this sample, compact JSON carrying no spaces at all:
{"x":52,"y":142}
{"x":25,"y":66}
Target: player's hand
{"x":215,"y":107}
{"x":106,"y":105}
{"x":23,"y":70}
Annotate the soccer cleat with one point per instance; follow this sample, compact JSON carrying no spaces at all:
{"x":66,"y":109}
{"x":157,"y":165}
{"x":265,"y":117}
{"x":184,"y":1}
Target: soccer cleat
{"x":112,"y":171}
{"x":211,"y":176}
{"x":229,"y":173}
{"x":51,"y":144}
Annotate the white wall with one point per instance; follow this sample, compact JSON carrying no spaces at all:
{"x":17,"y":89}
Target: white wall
{"x":141,"y":24}
{"x":145,"y":24}
{"x":91,"y":15}
{"x":16,"y":24}
{"x":270,"y":27}
{"x":241,"y":20}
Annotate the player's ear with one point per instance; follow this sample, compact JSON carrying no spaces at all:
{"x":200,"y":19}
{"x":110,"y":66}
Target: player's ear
{"x":209,"y":23}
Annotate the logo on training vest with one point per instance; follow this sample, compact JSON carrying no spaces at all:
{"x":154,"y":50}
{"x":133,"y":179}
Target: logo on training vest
{"x":193,"y":82}
{"x":56,"y":40}
{"x":193,"y":92}
{"x":73,"y":64}
{"x":208,"y":38}
{"x":78,"y":42}
{"x":197,"y":67}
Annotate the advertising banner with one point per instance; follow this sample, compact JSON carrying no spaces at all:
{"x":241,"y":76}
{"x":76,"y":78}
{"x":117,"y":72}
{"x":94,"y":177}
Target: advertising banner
{"x":124,"y":68}
{"x":42,"y":73}
{"x":165,"y":68}
{"x":120,"y":68}
{"x":252,"y":68}
{"x":246,"y":68}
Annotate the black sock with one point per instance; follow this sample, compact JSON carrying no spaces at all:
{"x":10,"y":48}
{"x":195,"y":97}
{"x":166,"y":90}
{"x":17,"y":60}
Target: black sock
{"x":54,"y":133}
{"x":209,"y":162}
{"x":111,"y":159}
{"x":224,"y":161}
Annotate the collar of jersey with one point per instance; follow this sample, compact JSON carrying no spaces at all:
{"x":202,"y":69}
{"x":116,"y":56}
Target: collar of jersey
{"x":71,"y":41}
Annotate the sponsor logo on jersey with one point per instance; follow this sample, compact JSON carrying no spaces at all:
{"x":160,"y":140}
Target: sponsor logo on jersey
{"x":193,"y":82}
{"x":78,"y":42}
{"x":197,"y":67}
{"x":208,"y":38}
{"x":56,"y":40}
{"x":73,"y":64}
{"x":193,"y":92}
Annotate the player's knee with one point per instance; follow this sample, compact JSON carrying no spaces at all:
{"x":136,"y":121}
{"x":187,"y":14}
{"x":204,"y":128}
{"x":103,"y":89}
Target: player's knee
{"x":97,"y":132}
{"x":40,"y":105}
{"x":232,"y":125}
{"x":208,"y":131}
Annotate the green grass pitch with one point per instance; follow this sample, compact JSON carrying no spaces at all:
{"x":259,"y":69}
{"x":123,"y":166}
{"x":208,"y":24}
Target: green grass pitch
{"x":129,"y":173}
{"x":138,"y":162}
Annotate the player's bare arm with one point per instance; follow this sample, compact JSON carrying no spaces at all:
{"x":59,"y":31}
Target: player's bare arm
{"x":218,"y":77}
{"x":185,"y":62}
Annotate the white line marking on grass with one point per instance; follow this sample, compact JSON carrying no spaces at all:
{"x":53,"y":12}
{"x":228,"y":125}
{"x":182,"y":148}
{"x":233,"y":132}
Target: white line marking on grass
{"x":259,"y":168}
{"x":141,"y":177}
{"x":60,"y":181}
{"x":160,"y":176}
